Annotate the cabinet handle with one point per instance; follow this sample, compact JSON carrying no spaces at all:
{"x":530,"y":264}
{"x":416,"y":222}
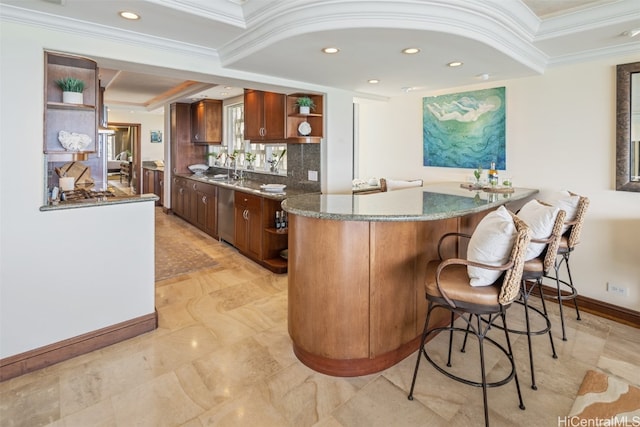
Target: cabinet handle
{"x":196,"y":137}
{"x":194,"y":186}
{"x":204,"y":199}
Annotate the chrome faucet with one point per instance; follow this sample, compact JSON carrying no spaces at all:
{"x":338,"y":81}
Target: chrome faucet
{"x":237,"y":176}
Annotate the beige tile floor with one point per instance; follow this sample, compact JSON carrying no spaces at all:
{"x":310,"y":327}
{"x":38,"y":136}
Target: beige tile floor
{"x":222,"y":357}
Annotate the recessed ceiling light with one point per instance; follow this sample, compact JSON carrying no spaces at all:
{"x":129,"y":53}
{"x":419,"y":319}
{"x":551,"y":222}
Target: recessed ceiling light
{"x":228,"y":87}
{"x":483,"y":76}
{"x":454,"y":64}
{"x":224,"y":93}
{"x":129,"y":15}
{"x":373,"y":81}
{"x":331,"y":50}
{"x":410,"y":50}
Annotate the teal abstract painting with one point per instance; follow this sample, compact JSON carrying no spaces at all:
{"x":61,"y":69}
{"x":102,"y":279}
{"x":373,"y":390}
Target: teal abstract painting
{"x":464,"y":130}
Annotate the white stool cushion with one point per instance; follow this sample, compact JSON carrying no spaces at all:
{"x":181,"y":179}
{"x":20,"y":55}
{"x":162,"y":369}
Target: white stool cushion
{"x":540,"y":219}
{"x":566,"y":202}
{"x":491,"y":243}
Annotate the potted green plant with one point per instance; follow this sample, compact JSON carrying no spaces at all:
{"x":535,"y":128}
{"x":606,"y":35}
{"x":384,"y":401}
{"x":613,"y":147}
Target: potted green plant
{"x":71,"y":90}
{"x":305,"y":104}
{"x":249,"y":158}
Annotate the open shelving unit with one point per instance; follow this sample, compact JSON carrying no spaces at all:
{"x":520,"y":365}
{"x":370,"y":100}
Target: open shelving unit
{"x":79,"y":118}
{"x":294,"y":119}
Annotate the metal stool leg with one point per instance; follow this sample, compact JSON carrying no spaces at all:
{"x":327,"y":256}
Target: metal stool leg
{"x":421,"y":350}
{"x":513,"y":362}
{"x":573,"y":289}
{"x":525,"y":300}
{"x":546,"y":315}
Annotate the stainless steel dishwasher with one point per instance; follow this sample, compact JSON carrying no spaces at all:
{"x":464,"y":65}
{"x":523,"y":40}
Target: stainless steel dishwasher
{"x":226,"y":219}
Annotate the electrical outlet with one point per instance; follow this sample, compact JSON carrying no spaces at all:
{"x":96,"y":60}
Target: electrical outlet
{"x":617,"y":289}
{"x":312,"y":175}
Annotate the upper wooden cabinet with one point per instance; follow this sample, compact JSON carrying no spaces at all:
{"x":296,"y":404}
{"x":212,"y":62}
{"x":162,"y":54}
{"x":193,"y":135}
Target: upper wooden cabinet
{"x":264,"y":115}
{"x":206,"y":122}
{"x":59,"y":116}
{"x":183,"y":152}
{"x":314,"y":120}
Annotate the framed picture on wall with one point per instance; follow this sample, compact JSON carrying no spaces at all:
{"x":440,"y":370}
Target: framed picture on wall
{"x":156,"y":136}
{"x":465,"y":130}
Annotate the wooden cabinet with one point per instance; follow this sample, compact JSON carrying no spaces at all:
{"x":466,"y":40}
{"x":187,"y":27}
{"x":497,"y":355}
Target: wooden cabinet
{"x":196,"y":203}
{"x":206,"y":122}
{"x":148,"y":181}
{"x":264,"y":115}
{"x":295,"y":119}
{"x":153,"y":182}
{"x":159,"y":187}
{"x":248,"y":224}
{"x":72,"y":118}
{"x":183,"y":152}
{"x":181,"y":198}
{"x":206,"y":207}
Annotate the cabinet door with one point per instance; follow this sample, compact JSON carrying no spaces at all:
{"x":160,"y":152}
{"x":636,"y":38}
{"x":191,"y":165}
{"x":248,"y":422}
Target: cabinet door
{"x":177,"y":197}
{"x":206,"y":208}
{"x":248,"y":215}
{"x":190,"y":202}
{"x":253,"y":114}
{"x":159,"y":186}
{"x":148,"y":181}
{"x":254,"y":231}
{"x":274,"y":115}
{"x":206,"y":122}
{"x":241,"y":229}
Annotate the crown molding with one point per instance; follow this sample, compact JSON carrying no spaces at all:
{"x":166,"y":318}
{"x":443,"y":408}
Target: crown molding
{"x":73,"y":26}
{"x":587,"y":19}
{"x":594,"y":54}
{"x":226,"y":12}
{"x":508,"y":30}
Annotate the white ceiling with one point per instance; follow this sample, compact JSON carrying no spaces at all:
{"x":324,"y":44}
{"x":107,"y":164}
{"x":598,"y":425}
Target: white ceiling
{"x":503,"y":39}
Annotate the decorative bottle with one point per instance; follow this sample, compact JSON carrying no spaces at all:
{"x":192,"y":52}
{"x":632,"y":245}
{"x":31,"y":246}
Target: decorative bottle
{"x":493,"y":175}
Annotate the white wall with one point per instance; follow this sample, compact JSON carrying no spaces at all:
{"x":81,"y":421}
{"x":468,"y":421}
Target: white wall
{"x":560,"y":135}
{"x":61,"y":272}
{"x":148,"y":121}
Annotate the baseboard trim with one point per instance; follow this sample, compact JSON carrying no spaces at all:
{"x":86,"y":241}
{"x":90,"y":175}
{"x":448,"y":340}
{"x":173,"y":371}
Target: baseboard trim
{"x":599,"y":308}
{"x":51,"y":354}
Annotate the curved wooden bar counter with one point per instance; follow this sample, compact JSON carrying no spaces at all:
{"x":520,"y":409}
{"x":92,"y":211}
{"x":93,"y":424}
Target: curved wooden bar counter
{"x":357,"y":265}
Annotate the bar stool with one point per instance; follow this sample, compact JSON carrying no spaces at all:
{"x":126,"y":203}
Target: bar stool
{"x":576,"y":207}
{"x":534,"y":270}
{"x":451,"y":284}
{"x":546,"y":223}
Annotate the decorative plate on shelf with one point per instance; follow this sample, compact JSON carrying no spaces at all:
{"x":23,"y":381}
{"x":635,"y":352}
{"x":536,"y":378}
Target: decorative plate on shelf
{"x":304,"y":128}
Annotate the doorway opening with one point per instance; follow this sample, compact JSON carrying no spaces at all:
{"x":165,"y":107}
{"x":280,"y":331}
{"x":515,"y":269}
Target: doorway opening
{"x":123,"y":157}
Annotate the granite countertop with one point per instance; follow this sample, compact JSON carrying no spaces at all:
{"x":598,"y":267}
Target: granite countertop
{"x":100,"y":201}
{"x":245,"y":185}
{"x":430,"y":202}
